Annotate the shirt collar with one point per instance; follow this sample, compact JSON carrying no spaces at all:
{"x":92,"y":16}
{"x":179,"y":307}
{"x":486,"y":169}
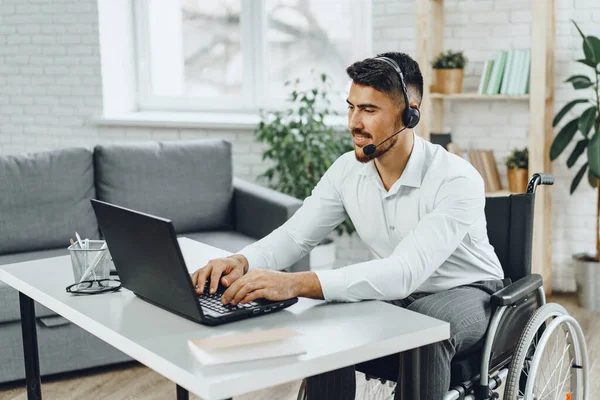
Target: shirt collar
{"x":412,"y":174}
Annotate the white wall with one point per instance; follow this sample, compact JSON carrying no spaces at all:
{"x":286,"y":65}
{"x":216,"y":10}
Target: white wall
{"x":481,"y":28}
{"x":50,"y":90}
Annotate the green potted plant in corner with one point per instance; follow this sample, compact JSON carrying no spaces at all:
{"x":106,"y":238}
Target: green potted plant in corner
{"x":517,"y":165}
{"x":448,"y":72}
{"x":300,"y":147}
{"x":585,"y":130}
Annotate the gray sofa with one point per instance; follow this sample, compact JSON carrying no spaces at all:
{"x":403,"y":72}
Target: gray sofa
{"x":46,"y":198}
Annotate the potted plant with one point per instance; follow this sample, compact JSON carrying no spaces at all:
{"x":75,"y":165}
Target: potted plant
{"x":585,"y":130}
{"x":448,"y":72}
{"x":301,"y":147}
{"x":517,"y":164}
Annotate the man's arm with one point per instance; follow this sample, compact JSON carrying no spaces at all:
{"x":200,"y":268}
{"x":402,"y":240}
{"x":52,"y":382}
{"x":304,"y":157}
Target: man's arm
{"x":459,"y":203}
{"x":319,"y":214}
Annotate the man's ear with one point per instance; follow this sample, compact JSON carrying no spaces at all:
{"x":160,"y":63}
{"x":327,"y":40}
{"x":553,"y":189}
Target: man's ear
{"x":413,"y":104}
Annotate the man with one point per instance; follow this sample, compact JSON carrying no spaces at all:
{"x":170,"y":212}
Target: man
{"x":418,"y":208}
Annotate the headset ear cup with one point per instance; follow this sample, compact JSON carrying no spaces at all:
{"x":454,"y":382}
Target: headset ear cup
{"x":411,"y":117}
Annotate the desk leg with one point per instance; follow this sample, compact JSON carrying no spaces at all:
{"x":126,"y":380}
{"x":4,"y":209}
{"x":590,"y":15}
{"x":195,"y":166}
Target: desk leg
{"x":30,"y":348}
{"x":409,"y":385}
{"x":182,"y":394}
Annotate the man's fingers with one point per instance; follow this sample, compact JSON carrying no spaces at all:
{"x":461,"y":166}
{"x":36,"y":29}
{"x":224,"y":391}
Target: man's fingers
{"x":233,"y":289}
{"x":231,"y":277}
{"x":257,"y":294}
{"x":215,"y":275}
{"x":201,"y":278}
{"x":194,"y":277}
{"x":244,"y":290}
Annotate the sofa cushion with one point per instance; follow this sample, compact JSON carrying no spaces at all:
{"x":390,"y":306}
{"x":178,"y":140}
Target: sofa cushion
{"x":45,"y":199}
{"x":9,"y":297}
{"x":227,"y":240}
{"x":189,"y":182}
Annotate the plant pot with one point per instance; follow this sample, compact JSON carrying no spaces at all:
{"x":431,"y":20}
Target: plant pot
{"x":447,"y":81}
{"x":587,"y":279}
{"x":323,"y":256}
{"x":517,"y":180}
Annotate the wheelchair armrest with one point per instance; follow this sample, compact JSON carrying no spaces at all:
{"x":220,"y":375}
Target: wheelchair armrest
{"x":516,"y":291}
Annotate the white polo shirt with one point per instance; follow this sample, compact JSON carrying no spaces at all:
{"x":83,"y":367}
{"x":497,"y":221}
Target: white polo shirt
{"x":427,"y":233}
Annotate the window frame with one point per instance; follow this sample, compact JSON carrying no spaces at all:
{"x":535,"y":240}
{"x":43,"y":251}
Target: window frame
{"x":254,"y":96}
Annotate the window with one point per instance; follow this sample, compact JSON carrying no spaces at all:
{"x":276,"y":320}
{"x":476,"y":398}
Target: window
{"x":236,"y":55}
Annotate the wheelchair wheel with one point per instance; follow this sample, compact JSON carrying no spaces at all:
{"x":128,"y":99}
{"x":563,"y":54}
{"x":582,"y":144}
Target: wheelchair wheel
{"x":302,"y":390}
{"x":550,"y":360}
{"x":366,"y":388}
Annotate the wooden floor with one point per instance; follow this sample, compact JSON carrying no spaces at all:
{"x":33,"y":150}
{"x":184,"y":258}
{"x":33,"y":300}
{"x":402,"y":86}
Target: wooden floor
{"x":134,"y":381}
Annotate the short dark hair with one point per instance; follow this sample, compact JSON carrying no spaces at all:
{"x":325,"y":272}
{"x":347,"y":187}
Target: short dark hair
{"x":382,"y":77}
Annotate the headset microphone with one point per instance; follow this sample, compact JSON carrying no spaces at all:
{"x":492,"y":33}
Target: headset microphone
{"x":410,"y":115}
{"x":369,"y":149}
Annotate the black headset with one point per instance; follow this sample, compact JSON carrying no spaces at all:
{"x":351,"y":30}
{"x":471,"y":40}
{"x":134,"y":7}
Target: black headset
{"x":410,"y":115}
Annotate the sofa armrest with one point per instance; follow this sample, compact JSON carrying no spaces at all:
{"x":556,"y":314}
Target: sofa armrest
{"x":258,"y":211}
{"x":517,"y":291}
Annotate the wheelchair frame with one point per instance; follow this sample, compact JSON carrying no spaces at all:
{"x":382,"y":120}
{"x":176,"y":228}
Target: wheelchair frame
{"x":484,"y":391}
{"x":517,"y":295}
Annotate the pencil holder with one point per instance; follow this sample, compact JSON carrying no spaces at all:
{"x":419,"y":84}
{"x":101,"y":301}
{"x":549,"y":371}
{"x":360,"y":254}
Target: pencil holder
{"x":92,"y":263}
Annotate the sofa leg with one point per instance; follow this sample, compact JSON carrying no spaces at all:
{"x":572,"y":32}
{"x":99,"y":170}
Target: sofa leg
{"x":30,"y":348}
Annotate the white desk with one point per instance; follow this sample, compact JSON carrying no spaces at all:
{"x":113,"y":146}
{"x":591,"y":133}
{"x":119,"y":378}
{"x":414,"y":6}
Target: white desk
{"x":335,"y":335}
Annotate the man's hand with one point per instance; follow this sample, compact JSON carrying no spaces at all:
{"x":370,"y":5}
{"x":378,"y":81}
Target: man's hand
{"x":272,"y":285}
{"x":228,"y":270}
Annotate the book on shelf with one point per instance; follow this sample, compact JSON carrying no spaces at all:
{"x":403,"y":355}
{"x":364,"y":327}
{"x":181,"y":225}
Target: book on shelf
{"x":497,"y":73}
{"x":485,"y":76}
{"x":506,"y":74}
{"x":485,"y":163}
{"x":454,"y":148}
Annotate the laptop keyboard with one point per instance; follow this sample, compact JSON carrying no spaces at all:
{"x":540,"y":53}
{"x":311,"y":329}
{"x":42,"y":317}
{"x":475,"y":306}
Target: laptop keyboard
{"x":213,"y":303}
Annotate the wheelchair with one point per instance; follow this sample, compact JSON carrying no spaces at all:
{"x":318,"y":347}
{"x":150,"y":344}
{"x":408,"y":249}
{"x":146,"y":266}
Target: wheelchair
{"x":549,"y":358}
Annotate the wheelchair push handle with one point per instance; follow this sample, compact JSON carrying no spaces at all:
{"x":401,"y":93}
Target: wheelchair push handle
{"x":539,"y":179}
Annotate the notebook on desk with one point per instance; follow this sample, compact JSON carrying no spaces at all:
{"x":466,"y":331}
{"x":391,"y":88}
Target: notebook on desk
{"x":149,"y":262}
{"x":247,"y":346}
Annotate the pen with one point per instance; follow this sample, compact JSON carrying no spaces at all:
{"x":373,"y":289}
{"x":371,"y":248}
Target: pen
{"x":95,"y":262}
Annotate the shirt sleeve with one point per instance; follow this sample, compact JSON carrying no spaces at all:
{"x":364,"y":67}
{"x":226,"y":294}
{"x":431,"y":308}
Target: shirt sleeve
{"x":459,"y":203}
{"x":319,"y":214}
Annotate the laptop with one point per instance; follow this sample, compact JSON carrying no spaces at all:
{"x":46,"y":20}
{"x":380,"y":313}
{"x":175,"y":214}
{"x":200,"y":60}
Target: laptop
{"x":149,"y":262}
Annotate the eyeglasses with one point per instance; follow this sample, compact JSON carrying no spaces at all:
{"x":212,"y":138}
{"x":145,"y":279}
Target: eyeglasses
{"x":95,"y":286}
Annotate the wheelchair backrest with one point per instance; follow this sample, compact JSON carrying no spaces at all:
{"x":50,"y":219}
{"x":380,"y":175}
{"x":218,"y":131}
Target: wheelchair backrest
{"x":510,"y":231}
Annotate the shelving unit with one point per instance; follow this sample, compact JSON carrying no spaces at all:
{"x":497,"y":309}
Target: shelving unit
{"x":476,"y":96}
{"x":430,"y":42}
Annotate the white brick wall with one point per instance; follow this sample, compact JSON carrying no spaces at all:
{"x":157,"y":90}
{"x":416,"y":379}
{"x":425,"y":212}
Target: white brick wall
{"x":50,"y":89}
{"x":470,"y":25}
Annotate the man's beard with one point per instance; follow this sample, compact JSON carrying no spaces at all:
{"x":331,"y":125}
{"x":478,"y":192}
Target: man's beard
{"x":379,"y":151}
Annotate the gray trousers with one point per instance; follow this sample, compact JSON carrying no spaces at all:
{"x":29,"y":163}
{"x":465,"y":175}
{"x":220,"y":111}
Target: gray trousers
{"x":467,"y":309}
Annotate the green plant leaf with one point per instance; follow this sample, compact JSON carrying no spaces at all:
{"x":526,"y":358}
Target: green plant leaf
{"x":563,"y":138}
{"x":588,"y":50}
{"x":595,"y":43}
{"x":586,"y":121}
{"x":589,"y":63}
{"x":593,"y":152}
{"x":592,"y":179}
{"x":567,"y":107}
{"x":578,"y":151}
{"x":580,"y":81}
{"x":578,"y":177}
